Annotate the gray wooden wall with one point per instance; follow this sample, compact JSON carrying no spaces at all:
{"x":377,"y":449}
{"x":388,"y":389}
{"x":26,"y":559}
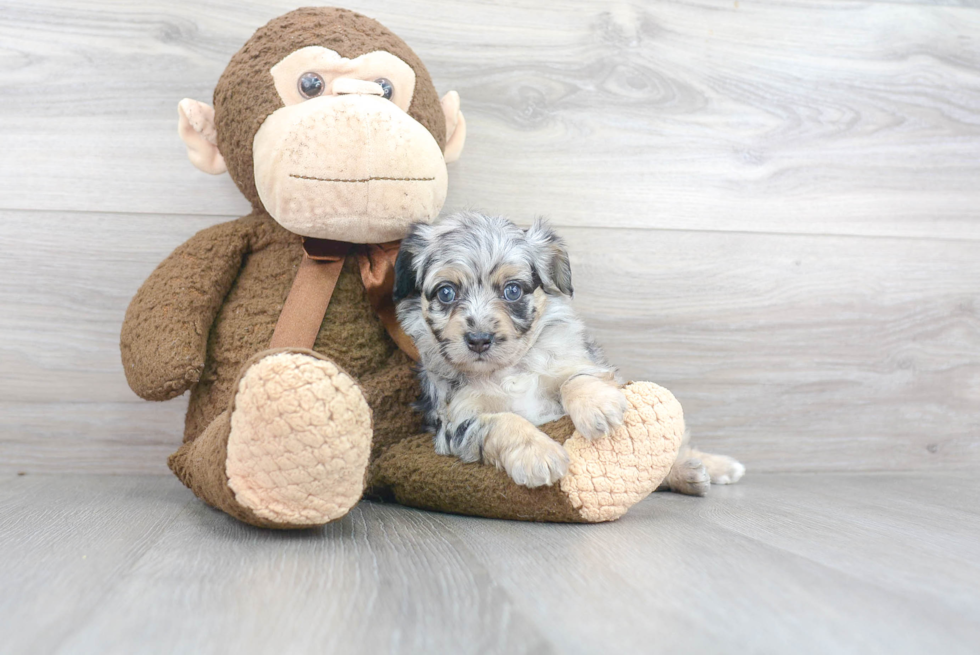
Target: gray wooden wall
{"x":773,"y":208}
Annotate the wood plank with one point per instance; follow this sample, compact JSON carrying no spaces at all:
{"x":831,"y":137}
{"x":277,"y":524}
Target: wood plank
{"x":972,"y":4}
{"x":66,"y":542}
{"x":748,"y":569}
{"x":69,"y":278}
{"x":803,"y":117}
{"x":939,"y":546}
{"x":861,"y":353}
{"x":790,"y":352}
{"x":380,"y":580}
{"x":90,"y":437}
{"x":781,"y":563}
{"x":925,"y":488}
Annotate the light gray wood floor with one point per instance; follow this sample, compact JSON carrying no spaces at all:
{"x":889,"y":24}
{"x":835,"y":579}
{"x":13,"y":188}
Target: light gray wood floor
{"x":803,"y":563}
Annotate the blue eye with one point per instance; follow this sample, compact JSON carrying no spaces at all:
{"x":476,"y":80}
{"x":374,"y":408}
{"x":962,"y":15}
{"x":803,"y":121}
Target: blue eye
{"x":446,"y":294}
{"x":310,"y":85}
{"x":387,"y":88}
{"x":512,"y":292}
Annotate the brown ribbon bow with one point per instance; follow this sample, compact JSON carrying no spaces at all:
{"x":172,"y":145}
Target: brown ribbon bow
{"x":306,"y":305}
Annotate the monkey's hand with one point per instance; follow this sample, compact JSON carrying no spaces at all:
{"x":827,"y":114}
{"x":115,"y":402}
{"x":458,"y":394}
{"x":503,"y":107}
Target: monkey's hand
{"x":595,"y":406}
{"x":165,"y":332}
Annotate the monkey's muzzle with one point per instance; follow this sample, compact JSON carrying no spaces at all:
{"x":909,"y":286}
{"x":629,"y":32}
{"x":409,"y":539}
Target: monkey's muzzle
{"x":352,"y":167}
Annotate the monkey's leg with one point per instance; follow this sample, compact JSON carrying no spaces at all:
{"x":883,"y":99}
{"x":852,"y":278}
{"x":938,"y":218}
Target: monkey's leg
{"x":606,"y":476}
{"x":390,"y":391}
{"x":292,"y":449}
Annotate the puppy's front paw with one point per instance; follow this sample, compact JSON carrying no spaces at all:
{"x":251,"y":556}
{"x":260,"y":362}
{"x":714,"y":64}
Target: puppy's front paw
{"x":530,"y":457}
{"x":537,"y":463}
{"x":595,"y":407}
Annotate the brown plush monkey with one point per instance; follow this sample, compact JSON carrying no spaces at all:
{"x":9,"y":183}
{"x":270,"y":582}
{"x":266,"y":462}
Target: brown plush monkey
{"x":281,"y":323}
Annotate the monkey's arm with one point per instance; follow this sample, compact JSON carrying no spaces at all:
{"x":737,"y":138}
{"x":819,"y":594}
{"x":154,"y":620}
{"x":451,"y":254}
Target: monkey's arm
{"x":165,"y":333}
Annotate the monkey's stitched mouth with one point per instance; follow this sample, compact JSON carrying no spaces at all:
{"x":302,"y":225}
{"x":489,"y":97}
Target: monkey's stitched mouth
{"x":363,"y":179}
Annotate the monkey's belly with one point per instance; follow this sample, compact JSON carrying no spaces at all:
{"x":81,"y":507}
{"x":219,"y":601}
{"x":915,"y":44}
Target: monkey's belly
{"x":351,"y":334}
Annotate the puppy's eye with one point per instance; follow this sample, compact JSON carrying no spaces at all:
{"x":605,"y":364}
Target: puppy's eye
{"x":512,"y":292}
{"x":446,"y":294}
{"x":387,"y":87}
{"x":310,"y":85}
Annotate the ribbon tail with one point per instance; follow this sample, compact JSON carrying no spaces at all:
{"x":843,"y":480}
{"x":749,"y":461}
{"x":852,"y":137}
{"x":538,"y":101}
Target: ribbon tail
{"x":378,"y":274}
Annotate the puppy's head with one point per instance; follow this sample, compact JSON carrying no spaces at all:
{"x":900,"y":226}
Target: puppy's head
{"x":471,"y":289}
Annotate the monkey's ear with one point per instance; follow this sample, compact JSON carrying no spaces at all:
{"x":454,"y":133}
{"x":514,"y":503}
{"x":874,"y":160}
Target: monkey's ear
{"x":406,"y":276}
{"x":455,"y":127}
{"x":197,"y":131}
{"x":550,"y":258}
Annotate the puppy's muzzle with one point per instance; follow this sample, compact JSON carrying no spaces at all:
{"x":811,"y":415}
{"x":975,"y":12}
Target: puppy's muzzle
{"x":478,"y":342}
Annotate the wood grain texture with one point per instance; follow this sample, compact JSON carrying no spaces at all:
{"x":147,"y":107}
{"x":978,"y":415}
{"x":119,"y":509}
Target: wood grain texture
{"x":90,"y":437}
{"x":68,"y":279}
{"x":838,"y":563}
{"x":380,"y":580}
{"x":66,"y":543}
{"x":811,"y":349}
{"x":754,"y":568}
{"x":772,"y":207}
{"x":810,"y":116}
{"x":792,"y":352}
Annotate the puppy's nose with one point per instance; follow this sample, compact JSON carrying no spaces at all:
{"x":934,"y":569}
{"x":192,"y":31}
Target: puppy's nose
{"x":478,"y":342}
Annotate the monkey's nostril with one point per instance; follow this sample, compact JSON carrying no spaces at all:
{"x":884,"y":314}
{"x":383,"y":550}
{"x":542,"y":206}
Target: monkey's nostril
{"x":478,"y":342}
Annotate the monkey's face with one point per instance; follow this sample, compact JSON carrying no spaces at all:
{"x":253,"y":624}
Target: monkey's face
{"x":342,"y":159}
{"x":331,"y":124}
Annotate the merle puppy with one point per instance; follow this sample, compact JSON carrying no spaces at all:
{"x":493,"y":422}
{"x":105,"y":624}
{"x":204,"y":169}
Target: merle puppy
{"x":488,"y":306}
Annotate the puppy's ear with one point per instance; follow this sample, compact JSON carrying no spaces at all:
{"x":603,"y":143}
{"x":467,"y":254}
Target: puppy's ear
{"x":406,"y":273}
{"x":550,"y":258}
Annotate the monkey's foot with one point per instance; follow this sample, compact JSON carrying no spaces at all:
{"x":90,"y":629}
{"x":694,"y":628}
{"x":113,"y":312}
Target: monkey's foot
{"x":607,"y":476}
{"x":299,"y":442}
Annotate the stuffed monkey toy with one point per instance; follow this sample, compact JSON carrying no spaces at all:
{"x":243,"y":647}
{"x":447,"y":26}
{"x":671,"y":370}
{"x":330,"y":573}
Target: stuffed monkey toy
{"x":281,"y":324}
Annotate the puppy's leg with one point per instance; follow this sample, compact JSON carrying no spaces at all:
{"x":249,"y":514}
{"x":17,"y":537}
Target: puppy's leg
{"x":595,"y":405}
{"x":721,"y":468}
{"x":687,"y":475}
{"x":511,"y":443}
{"x":694,"y":471}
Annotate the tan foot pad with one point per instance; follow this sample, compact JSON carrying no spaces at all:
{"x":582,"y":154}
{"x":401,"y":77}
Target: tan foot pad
{"x":300,"y":440}
{"x":611,"y":474}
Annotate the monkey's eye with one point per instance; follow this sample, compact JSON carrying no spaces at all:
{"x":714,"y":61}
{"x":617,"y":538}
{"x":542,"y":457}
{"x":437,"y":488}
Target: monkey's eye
{"x":446,"y":294}
{"x":386,"y":87}
{"x":310,"y":85}
{"x":513,"y":291}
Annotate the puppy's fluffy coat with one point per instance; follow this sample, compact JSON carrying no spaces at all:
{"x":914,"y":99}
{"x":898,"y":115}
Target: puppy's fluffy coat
{"x":488,"y":306}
